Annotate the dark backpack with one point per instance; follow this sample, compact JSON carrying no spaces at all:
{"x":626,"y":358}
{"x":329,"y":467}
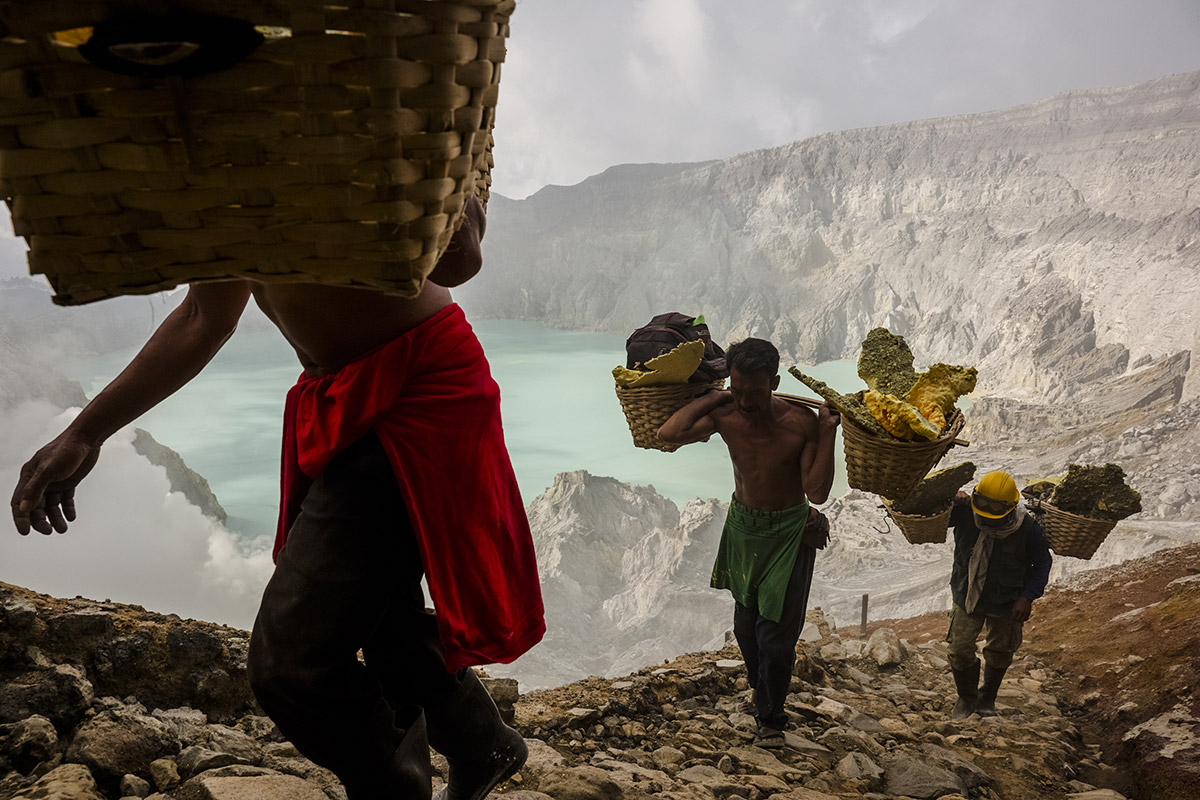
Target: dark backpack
{"x":664,"y":333}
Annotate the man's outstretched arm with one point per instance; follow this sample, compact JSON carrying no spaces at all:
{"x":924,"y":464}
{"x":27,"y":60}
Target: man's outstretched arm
{"x":694,"y":422}
{"x":184,"y":343}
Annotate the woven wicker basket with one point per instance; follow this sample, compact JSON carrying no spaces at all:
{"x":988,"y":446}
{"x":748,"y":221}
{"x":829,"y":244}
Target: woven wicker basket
{"x":648,"y":407}
{"x":341,"y":150}
{"x":918,"y":529}
{"x":892,"y":468}
{"x":1070,"y":534}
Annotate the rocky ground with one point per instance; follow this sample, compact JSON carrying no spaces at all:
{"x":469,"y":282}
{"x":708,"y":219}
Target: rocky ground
{"x":1124,"y":641}
{"x":100,"y":700}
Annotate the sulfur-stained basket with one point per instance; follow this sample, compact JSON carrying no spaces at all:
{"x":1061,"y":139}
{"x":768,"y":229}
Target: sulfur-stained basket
{"x":918,"y":529}
{"x":145,"y":144}
{"x":1070,"y":534}
{"x":648,"y":407}
{"x":892,"y":468}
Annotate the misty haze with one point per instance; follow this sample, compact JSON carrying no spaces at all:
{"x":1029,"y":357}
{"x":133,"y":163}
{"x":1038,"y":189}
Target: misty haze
{"x":1046,"y":231}
{"x":810,"y":245}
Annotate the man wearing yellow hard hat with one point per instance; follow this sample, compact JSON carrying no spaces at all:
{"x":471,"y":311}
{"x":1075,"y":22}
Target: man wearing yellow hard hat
{"x":1001,"y":565}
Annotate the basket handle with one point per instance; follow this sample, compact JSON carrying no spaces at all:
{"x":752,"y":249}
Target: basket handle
{"x":178,"y":44}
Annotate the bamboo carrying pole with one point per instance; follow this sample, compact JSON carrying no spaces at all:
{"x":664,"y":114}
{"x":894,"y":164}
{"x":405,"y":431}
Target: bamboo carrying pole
{"x":811,"y":403}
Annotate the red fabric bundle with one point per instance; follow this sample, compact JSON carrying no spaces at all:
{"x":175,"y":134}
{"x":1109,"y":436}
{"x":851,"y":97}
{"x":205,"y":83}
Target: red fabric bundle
{"x":430,"y":397}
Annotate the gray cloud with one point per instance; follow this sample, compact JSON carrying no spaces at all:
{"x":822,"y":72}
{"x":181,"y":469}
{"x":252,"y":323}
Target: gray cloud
{"x":588,"y":85}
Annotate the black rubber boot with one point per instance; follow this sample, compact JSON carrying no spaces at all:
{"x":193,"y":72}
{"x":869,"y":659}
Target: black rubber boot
{"x":986,"y":707}
{"x":966,"y":681}
{"x":406,"y":775}
{"x":480,"y":749}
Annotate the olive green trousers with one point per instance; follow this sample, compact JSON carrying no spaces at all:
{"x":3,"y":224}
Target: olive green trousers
{"x":1001,"y":635}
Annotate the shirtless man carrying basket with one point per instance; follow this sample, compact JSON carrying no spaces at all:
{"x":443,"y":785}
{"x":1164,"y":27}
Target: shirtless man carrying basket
{"x":782,"y":458}
{"x":394,"y":466}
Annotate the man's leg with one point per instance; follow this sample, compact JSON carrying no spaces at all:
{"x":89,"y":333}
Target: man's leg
{"x":964,"y":664}
{"x":1002,"y":637}
{"x":777,"y":647}
{"x":464,"y":724}
{"x":745,"y":619}
{"x":346,"y":561}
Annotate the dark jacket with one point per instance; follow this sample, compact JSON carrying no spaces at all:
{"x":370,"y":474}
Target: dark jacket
{"x":1019,"y":565}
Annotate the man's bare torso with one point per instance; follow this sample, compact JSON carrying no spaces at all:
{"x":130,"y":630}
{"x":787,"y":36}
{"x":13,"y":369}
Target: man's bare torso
{"x":766,"y":453}
{"x":331,"y":326}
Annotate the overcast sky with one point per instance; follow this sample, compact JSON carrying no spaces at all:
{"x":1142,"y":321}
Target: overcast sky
{"x":591,"y":84}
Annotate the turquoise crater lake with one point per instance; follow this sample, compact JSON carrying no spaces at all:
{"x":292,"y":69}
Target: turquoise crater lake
{"x":560,"y":414}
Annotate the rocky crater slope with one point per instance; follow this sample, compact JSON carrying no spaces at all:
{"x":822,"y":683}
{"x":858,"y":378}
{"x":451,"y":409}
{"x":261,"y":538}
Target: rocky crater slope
{"x":625,"y":573}
{"x":99,"y":700}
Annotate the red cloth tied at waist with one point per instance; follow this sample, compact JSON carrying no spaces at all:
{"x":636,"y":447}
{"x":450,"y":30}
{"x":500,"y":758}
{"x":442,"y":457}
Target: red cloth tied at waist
{"x":430,"y":398}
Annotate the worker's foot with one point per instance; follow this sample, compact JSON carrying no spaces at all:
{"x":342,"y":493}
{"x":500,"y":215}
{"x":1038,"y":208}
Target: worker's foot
{"x":481,"y":751}
{"x":747,"y":706}
{"x":986,"y":706}
{"x":475,"y":779}
{"x":966,"y":683}
{"x":769,"y":737}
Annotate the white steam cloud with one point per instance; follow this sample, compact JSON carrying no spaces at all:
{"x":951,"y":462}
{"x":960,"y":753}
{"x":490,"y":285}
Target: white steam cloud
{"x":134,"y":541}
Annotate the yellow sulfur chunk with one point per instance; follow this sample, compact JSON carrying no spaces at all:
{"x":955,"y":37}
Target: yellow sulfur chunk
{"x":73,"y":37}
{"x":899,"y":418}
{"x":673,"y":367}
{"x":938,"y":389}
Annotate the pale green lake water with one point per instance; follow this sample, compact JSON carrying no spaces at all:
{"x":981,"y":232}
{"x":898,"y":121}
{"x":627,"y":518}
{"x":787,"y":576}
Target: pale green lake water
{"x":560,"y":414}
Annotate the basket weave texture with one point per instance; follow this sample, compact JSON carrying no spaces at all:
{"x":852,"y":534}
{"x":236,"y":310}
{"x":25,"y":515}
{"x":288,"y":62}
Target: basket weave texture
{"x":648,"y":407}
{"x":1070,"y":534}
{"x":341,"y":151}
{"x":921,"y":530}
{"x":892,"y":468}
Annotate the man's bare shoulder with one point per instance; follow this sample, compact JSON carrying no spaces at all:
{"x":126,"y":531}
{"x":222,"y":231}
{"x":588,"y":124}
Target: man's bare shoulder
{"x":725,"y":412}
{"x":796,"y":418}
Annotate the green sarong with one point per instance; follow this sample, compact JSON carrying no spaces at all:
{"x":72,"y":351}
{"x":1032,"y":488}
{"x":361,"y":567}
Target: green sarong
{"x":756,"y":555}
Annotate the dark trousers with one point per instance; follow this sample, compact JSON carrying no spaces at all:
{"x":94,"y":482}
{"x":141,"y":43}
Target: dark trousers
{"x":347,"y":580}
{"x":769,"y":647}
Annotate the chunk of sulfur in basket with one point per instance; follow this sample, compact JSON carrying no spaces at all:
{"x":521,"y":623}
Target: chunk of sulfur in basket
{"x":899,"y":418}
{"x":937,"y":390}
{"x":848,"y":405}
{"x":1096,"y":492}
{"x":675,"y":366}
{"x":936,"y":491}
{"x":885,"y":363}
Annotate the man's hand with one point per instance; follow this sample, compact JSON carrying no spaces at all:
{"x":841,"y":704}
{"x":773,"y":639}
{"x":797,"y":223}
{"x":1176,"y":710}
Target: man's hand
{"x":816,"y":530}
{"x":463,"y":258}
{"x":718,"y":397}
{"x":44,"y":499}
{"x":1021,"y":609}
{"x":828,"y":417}
{"x":694,"y":422}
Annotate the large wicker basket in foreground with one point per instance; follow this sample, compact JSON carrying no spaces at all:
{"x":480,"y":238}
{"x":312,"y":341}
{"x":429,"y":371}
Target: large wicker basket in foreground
{"x":918,"y":529}
{"x":341,"y":149}
{"x":1070,"y":534}
{"x":891,"y":468}
{"x":648,"y":407}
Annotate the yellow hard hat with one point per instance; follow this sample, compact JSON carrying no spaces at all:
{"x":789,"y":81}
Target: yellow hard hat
{"x":995,"y":495}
